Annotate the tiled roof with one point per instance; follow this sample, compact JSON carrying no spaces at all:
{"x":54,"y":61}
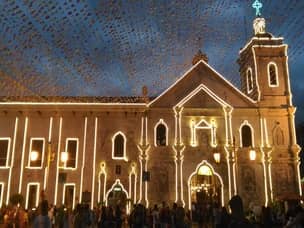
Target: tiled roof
{"x":74,"y":99}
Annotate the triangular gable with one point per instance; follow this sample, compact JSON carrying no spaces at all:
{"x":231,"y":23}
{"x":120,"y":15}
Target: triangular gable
{"x":202,"y":73}
{"x":202,"y":97}
{"x":203,"y":124}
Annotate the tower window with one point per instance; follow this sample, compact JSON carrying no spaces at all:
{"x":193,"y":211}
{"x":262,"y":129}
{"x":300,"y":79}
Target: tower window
{"x":273,"y":75}
{"x":246,"y":136}
{"x":119,"y":146}
{"x":249,"y":80}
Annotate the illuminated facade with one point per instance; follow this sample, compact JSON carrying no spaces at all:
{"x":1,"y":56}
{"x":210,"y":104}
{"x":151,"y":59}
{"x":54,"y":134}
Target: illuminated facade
{"x":201,"y":139}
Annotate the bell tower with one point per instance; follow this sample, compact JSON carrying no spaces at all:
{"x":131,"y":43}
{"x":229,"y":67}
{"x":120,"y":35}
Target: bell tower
{"x":263,"y":65}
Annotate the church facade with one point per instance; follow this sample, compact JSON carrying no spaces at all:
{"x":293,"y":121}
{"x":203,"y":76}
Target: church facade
{"x":201,"y":140}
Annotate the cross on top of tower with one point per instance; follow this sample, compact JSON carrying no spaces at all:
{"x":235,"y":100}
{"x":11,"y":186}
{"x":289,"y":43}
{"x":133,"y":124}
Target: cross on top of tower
{"x":257,"y":5}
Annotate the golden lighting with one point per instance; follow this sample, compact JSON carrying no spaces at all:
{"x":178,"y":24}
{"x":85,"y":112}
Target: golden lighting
{"x":34,"y":155}
{"x":217,"y":157}
{"x":204,"y":170}
{"x":64,"y":157}
{"x":252,"y":154}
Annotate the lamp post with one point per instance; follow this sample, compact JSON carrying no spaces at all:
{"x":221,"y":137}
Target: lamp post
{"x":252,"y":154}
{"x":34,"y":156}
{"x":64,"y":157}
{"x":217,"y":156}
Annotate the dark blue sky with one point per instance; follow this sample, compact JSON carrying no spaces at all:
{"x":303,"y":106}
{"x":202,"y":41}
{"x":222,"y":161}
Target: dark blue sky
{"x":113,"y":48}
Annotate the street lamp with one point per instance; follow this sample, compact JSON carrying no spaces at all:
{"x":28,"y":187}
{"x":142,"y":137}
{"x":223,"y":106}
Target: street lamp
{"x":64,"y":157}
{"x":252,"y":154}
{"x":217,"y":156}
{"x":34,"y":155}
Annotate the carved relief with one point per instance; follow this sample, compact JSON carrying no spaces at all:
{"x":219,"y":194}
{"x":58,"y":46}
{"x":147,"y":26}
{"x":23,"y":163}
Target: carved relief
{"x":278,"y":136}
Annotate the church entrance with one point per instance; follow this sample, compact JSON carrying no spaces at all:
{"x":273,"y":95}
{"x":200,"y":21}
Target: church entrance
{"x":117,"y":196}
{"x":205,"y":191}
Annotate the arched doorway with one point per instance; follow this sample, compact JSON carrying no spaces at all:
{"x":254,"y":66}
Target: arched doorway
{"x":205,"y":187}
{"x":117,"y":196}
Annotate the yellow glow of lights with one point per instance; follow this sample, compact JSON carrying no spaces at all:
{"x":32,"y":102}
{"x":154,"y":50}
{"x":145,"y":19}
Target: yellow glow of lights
{"x":34,"y":155}
{"x":1,"y":192}
{"x":132,"y":187}
{"x":252,"y":154}
{"x":12,"y":161}
{"x":203,"y":124}
{"x":204,"y":170}
{"x":49,"y":154}
{"x":64,"y":157}
{"x":83,"y":157}
{"x":192,"y":68}
{"x":102,"y":172}
{"x":265,"y":177}
{"x":209,"y":166}
{"x":58,"y":157}
{"x":23,"y":152}
{"x":217,"y":157}
{"x":117,"y":184}
{"x":94,"y":163}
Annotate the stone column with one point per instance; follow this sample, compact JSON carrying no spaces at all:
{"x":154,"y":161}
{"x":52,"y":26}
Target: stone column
{"x":294,"y":147}
{"x":230,"y":149}
{"x":178,"y":147}
{"x":231,"y":163}
{"x":266,"y":161}
{"x":143,"y":160}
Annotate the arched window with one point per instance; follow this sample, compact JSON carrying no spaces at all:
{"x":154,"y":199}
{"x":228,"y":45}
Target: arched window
{"x":246,"y":136}
{"x":249,"y":80}
{"x":272,"y":75}
{"x":119,"y":146}
{"x":161,"y":135}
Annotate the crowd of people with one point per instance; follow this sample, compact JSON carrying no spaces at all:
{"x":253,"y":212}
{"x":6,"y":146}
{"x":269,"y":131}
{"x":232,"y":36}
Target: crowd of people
{"x":205,"y":215}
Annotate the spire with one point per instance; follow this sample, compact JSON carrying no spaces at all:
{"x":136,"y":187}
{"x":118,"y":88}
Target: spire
{"x":259,"y":23}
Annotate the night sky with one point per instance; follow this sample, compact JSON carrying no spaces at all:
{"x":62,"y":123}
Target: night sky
{"x":113,"y":48}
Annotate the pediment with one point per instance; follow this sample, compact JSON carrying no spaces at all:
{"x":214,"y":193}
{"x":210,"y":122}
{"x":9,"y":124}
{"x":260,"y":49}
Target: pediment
{"x":202,"y":74}
{"x":201,"y":100}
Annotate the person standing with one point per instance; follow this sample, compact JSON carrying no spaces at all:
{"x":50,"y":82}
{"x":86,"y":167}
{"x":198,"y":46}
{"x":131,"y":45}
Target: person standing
{"x":42,"y":220}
